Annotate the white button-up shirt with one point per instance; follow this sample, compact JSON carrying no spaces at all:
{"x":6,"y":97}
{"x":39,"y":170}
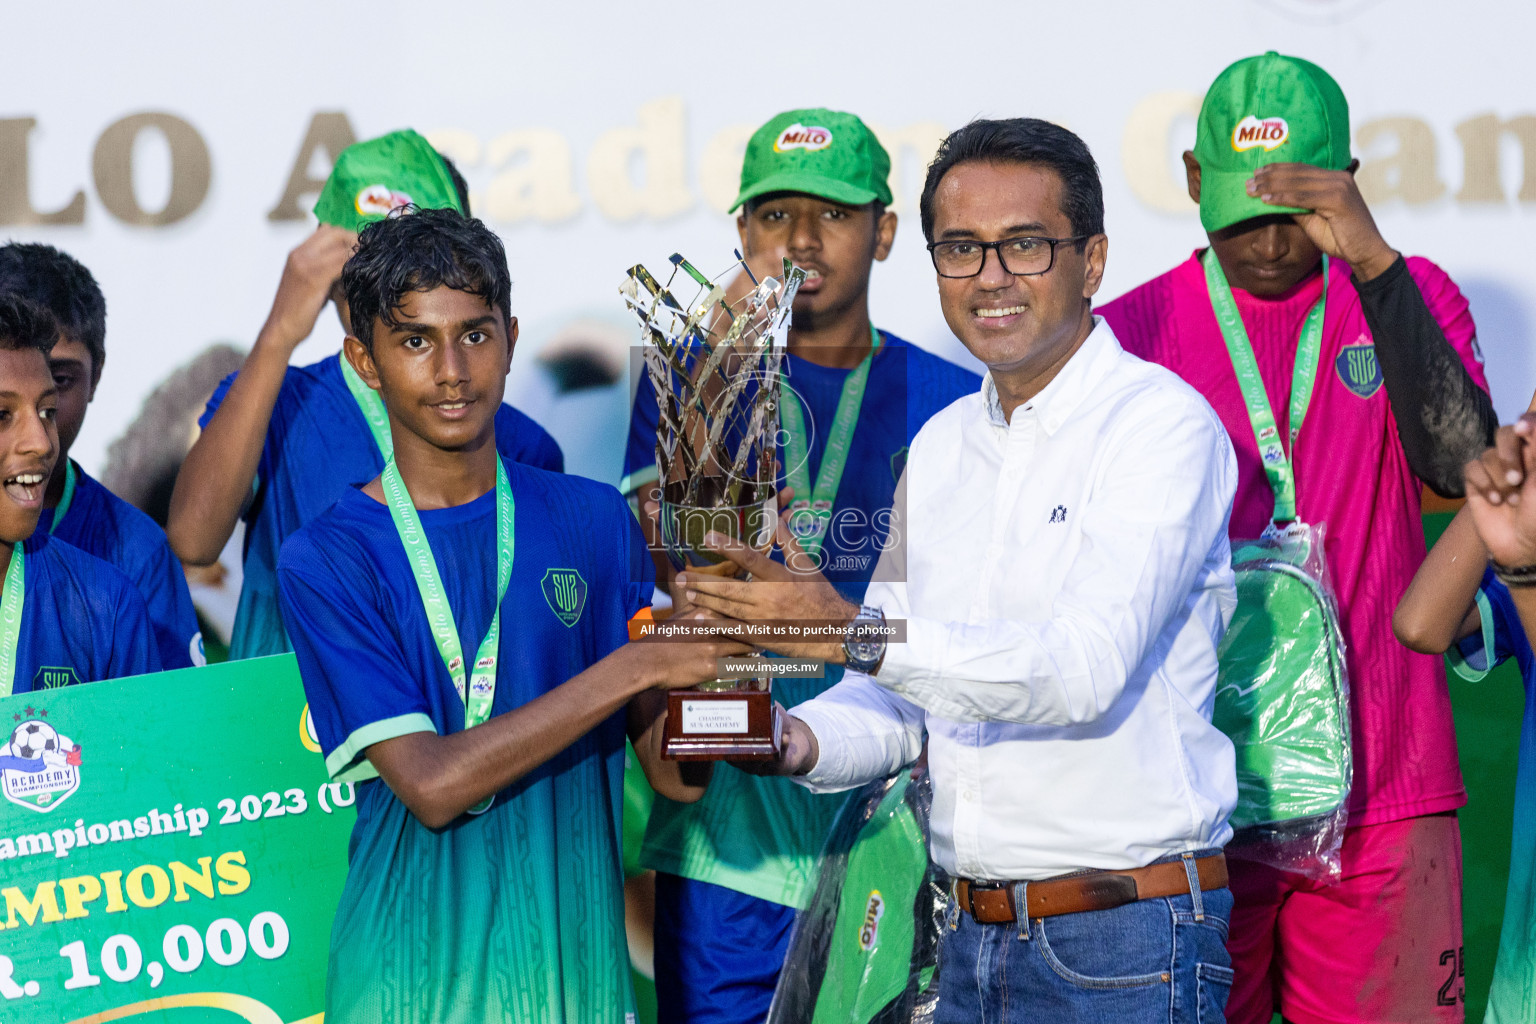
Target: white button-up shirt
{"x":1068,"y":579}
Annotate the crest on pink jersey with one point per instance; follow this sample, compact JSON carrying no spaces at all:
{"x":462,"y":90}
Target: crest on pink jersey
{"x":1358,"y":369}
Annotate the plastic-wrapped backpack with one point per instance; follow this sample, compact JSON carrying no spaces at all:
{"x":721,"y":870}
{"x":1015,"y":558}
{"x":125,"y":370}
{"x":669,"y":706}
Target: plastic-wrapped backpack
{"x":1282,"y":697}
{"x":865,"y":950}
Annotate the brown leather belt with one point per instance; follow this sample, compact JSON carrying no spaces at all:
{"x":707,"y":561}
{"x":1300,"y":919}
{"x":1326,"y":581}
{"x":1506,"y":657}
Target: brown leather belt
{"x":992,"y":902}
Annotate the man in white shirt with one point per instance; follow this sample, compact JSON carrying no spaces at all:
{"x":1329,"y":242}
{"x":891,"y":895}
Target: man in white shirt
{"x":1064,"y":580}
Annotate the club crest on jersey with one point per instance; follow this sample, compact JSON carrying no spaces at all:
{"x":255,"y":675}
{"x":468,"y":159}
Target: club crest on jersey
{"x":51,"y":677}
{"x":808,"y":137}
{"x":39,"y":766}
{"x":378,"y":200}
{"x":1358,"y":369}
{"x":566,"y":593}
{"x":899,"y":462}
{"x":1251,"y":133}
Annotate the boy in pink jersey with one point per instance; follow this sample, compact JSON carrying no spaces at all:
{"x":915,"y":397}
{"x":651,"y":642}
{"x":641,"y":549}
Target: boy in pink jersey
{"x":1398,"y":400}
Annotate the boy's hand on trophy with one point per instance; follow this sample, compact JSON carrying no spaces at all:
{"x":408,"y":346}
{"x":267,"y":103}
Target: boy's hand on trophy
{"x":687,"y":662}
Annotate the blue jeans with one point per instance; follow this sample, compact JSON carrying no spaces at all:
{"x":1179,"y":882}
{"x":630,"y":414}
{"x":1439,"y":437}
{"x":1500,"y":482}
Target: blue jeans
{"x":1142,"y":962}
{"x":718,"y":952}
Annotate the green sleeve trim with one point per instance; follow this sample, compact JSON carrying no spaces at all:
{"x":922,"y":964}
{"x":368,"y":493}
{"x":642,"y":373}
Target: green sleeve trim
{"x":347,"y":764}
{"x":1453,"y":657}
{"x":632,"y":482}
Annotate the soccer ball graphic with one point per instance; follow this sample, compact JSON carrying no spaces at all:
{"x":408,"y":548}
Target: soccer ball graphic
{"x":31,"y":740}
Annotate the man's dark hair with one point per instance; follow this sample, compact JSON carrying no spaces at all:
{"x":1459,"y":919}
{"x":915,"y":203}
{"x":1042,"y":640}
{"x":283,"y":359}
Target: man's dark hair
{"x":64,"y":287}
{"x":459,"y":184}
{"x":25,"y":324}
{"x":1024,"y":140}
{"x":416,"y":251}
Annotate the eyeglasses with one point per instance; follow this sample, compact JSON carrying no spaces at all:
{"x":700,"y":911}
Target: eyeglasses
{"x":1021,"y":257}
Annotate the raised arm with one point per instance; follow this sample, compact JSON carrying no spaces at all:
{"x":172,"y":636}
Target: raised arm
{"x":1443,"y":417}
{"x":1439,"y":608}
{"x":216,"y":478}
{"x":1501,"y":498}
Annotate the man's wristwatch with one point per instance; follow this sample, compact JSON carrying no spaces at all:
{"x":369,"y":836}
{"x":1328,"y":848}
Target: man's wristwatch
{"x":864,"y":644}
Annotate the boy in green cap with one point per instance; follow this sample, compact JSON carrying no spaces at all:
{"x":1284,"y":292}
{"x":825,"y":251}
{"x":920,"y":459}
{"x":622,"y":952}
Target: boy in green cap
{"x":1398,"y":400}
{"x":734,"y":867}
{"x":281,"y":443}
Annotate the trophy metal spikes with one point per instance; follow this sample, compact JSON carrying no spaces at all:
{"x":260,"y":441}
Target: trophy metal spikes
{"x":716,"y":370}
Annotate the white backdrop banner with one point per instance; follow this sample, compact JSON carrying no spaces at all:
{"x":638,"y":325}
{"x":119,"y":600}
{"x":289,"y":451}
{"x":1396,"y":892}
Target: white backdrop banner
{"x":176,"y":147}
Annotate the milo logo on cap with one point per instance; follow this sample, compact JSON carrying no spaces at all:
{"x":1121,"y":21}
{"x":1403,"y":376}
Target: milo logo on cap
{"x":1251,"y":132}
{"x":802,"y":136}
{"x":378,"y":200}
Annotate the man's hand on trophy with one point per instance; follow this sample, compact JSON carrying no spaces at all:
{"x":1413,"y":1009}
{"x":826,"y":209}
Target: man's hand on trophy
{"x":798,"y":750}
{"x":794,"y":592}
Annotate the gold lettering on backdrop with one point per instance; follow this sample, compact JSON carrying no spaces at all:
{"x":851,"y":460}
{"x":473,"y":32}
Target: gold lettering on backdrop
{"x":112,"y":167}
{"x":329,"y":131}
{"x":720,"y":165}
{"x":1410,"y":174}
{"x":16,"y":180}
{"x":1149,"y":150}
{"x":1481,"y":181}
{"x":658,"y":144}
{"x":535,"y":177}
{"x":918,"y":141}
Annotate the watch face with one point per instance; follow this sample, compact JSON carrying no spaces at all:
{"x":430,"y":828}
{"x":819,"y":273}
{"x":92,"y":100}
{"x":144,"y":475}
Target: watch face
{"x":865,"y":644}
{"x":866,"y":651}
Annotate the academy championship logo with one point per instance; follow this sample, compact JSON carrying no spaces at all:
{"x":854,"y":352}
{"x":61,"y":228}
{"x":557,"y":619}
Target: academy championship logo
{"x":378,"y":200}
{"x":1251,"y":133}
{"x":566,"y":593}
{"x":39,"y":766}
{"x":802,"y":136}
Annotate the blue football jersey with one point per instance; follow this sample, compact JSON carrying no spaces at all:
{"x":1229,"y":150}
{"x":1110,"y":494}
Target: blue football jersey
{"x":100,"y":523}
{"x":83,"y":620}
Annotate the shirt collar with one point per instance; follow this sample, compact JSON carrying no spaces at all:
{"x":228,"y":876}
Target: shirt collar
{"x":1066,"y":391}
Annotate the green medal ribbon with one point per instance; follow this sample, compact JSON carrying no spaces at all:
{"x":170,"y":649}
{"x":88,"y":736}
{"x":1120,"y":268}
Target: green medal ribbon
{"x":481,"y":690}
{"x":10,"y":618}
{"x":62,"y":509}
{"x":811,"y":530}
{"x":1277,"y":465}
{"x":372,"y":408}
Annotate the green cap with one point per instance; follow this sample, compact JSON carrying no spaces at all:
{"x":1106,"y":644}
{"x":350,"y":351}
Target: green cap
{"x":1265,"y":110}
{"x":373,"y":177}
{"x":820,"y":152}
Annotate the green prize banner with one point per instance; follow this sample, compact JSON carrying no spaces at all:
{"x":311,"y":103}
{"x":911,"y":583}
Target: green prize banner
{"x":170,"y":850}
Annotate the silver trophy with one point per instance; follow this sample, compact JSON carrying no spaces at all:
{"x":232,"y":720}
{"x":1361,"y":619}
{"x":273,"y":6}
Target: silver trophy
{"x":716,"y":370}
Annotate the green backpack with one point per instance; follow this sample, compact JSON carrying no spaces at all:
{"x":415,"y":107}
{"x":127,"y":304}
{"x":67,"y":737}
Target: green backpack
{"x":1282,"y":694}
{"x":864,"y":951}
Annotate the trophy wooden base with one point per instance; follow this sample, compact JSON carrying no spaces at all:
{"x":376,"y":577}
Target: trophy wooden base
{"x":712,"y":725}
